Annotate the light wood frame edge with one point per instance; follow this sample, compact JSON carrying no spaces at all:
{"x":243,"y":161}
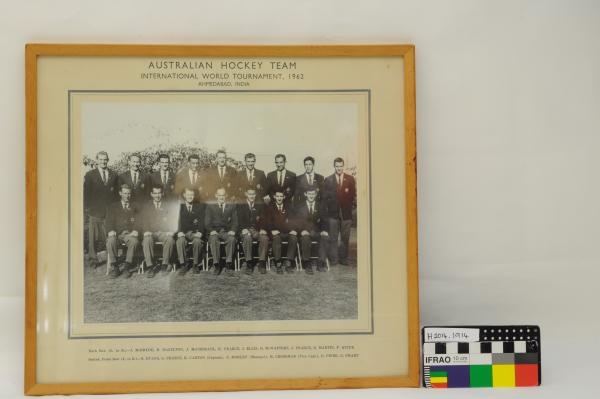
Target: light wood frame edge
{"x":33,"y":51}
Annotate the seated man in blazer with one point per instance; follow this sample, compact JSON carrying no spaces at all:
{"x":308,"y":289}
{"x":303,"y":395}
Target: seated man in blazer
{"x":190,"y":229}
{"x":158,"y":225}
{"x":311,"y":221}
{"x":280,"y":226}
{"x":221,"y":225}
{"x":122,"y":227}
{"x":252,"y":227}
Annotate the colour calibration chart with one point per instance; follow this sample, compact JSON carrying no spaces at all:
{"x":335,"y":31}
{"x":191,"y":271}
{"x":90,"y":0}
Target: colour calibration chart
{"x":481,"y":356}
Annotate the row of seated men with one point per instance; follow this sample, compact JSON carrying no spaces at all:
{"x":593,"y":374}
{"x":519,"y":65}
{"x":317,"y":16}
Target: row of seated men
{"x":335,"y":193}
{"x":217,"y":222}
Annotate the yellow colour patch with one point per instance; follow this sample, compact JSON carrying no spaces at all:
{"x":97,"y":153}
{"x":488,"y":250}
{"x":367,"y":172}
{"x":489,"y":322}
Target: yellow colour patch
{"x":438,"y":380}
{"x":503,"y":375}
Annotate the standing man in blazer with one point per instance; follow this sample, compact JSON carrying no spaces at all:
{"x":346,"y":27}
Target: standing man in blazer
{"x":122,"y":225}
{"x":311,"y":221}
{"x":165,"y":178}
{"x":99,"y":191}
{"x":223,"y":176}
{"x":339,"y":196}
{"x":251,"y":221}
{"x":252,"y":177}
{"x":190,"y":229}
{"x":136,"y":179}
{"x":189,"y":177}
{"x":221,"y":225}
{"x":281,"y":180}
{"x":280,"y":226}
{"x":158,"y":224}
{"x":308,"y":179}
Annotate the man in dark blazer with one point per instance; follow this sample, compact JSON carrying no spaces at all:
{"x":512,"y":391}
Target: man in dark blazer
{"x":280,"y":227}
{"x":281,"y":180}
{"x":311,"y":221}
{"x":122,"y":225}
{"x":99,"y":191}
{"x":252,"y":177}
{"x":158,"y":224}
{"x":136,"y":179}
{"x":339,"y":196}
{"x":165,"y":178}
{"x":190,"y":176}
{"x":251,"y":224}
{"x":222,"y":176}
{"x":190,"y":229}
{"x":308,"y":179}
{"x":221,"y":225}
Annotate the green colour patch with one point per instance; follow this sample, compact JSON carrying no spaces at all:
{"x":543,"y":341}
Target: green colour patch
{"x":438,"y":374}
{"x":480,"y":375}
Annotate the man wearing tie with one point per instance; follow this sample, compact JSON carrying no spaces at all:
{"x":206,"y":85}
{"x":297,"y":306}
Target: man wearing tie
{"x":190,"y":177}
{"x":252,"y":227}
{"x":339,"y":195}
{"x":280,"y":226}
{"x":136,"y":179}
{"x":308,"y":179}
{"x":158,"y":225}
{"x":221,"y":224}
{"x":122,"y":226}
{"x":164,"y":177}
{"x":190,"y":229}
{"x":311,"y":221}
{"x":281,"y":180}
{"x":251,"y":177}
{"x":99,"y":191}
{"x":223,"y":176}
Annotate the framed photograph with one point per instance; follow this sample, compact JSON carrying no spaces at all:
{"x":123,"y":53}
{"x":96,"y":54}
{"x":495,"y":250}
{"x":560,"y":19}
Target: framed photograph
{"x":212,"y":218}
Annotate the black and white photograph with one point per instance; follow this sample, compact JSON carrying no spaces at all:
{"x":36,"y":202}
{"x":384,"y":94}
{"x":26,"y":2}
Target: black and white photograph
{"x":219,"y":209}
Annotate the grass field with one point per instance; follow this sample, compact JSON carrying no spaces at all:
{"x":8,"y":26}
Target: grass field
{"x":169,"y":297}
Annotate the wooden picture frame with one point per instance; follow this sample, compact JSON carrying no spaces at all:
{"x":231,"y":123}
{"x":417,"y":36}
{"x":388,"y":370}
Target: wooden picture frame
{"x":45,"y":274}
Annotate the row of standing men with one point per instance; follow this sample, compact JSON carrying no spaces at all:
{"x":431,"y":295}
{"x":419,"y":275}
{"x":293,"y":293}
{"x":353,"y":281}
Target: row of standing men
{"x":251,"y":205}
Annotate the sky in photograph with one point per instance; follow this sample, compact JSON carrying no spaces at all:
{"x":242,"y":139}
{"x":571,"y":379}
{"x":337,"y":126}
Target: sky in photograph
{"x":324,"y":130}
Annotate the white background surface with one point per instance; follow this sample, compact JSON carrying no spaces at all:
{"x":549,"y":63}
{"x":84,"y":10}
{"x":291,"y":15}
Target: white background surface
{"x":508,"y":126}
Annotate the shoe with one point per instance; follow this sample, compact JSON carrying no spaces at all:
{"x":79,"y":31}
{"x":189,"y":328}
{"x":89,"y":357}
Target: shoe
{"x":168,"y":267}
{"x":262,"y":267}
{"x":127,"y":270}
{"x":183,"y":270}
{"x":344,"y":262}
{"x":228,"y":272}
{"x":217,"y":269}
{"x":249,"y":269}
{"x":152,"y":272}
{"x":114,"y":271}
{"x":278,"y":267}
{"x":197,"y":269}
{"x":309,"y":270}
{"x":321,"y":267}
{"x":93,"y":264}
{"x":288,"y":267}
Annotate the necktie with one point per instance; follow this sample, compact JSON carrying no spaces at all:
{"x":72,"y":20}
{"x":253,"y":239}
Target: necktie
{"x":221,"y":173}
{"x":104,"y":176}
{"x":135,"y":178}
{"x":310,"y":179}
{"x":189,"y":208}
{"x":251,"y":176}
{"x":157,"y":205}
{"x":223,"y":208}
{"x":280,"y":178}
{"x":279,"y":207}
{"x":311,"y":209}
{"x":194,"y":177}
{"x":164,"y":178}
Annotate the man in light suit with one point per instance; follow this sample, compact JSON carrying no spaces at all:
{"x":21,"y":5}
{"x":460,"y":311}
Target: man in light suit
{"x":221,"y":225}
{"x":136,"y":179}
{"x":159,"y":224}
{"x":165,"y":178}
{"x":308,"y":179}
{"x":311,"y":221}
{"x":99,"y":191}
{"x":190,"y":177}
{"x":190,"y":229}
{"x":122,"y":225}
{"x":252,"y":177}
{"x":281,"y":180}
{"x":339,"y":196}
{"x":252,"y":227}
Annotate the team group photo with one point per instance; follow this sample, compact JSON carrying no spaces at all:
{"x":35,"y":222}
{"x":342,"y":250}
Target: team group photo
{"x":185,"y":226}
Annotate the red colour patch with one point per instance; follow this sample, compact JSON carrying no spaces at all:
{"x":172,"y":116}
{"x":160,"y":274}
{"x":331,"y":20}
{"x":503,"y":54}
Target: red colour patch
{"x":526,"y":375}
{"x":440,"y":385}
